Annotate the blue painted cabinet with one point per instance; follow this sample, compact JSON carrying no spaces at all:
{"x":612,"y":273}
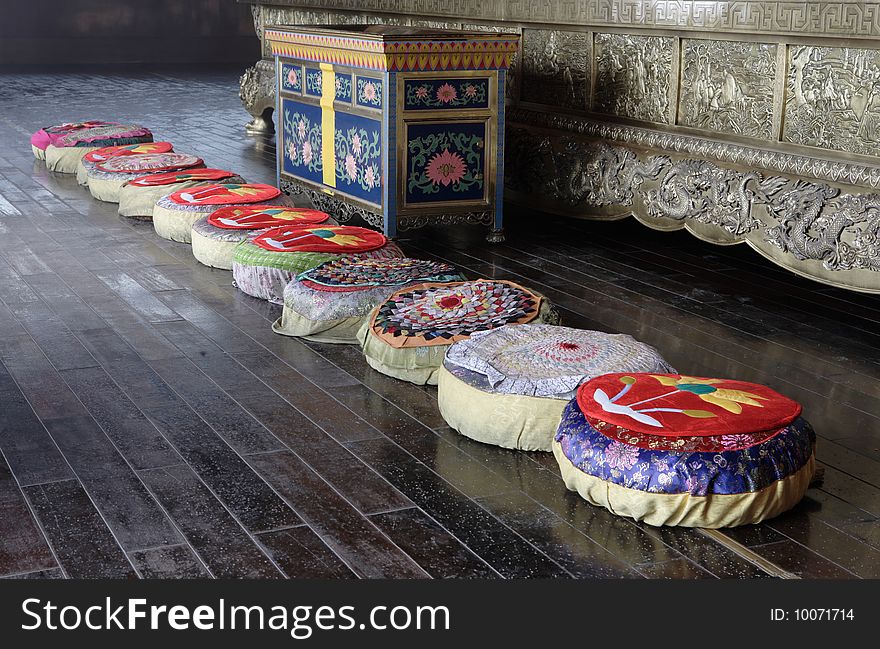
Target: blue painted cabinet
{"x":401,"y":126}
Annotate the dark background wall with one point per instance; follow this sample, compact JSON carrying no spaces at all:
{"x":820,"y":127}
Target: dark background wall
{"x":64,"y":32}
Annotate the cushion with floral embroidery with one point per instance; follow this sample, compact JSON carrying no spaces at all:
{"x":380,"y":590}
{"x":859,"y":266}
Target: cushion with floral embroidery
{"x":508,"y":386}
{"x":138,"y":197}
{"x":264,"y":273}
{"x":203,"y":175}
{"x":329,"y":303}
{"x":663,"y":476}
{"x":407,"y":335}
{"x":674,"y":405}
{"x":262,"y":217}
{"x":67,"y":144}
{"x":225,"y":194}
{"x":89,"y":160}
{"x":107,"y":177}
{"x":175,"y":214}
{"x":215,"y":237}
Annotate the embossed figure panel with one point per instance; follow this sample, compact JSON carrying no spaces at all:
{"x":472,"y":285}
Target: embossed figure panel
{"x":728,"y":86}
{"x":632,"y":76}
{"x":556,"y":67}
{"x":833,"y":98}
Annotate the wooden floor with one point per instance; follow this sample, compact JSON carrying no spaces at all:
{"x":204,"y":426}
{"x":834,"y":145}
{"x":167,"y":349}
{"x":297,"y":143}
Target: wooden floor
{"x":152,"y":425}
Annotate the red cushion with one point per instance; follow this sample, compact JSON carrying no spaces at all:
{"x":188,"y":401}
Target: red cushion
{"x":260,"y":217}
{"x":99,"y":155}
{"x":338,"y":239}
{"x":173,"y":177}
{"x":676,"y":405}
{"x":225,"y":194}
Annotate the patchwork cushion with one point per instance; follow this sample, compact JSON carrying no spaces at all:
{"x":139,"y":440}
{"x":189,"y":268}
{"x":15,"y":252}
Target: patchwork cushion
{"x":89,"y":160}
{"x":509,"y":386}
{"x":68,"y":144}
{"x":407,"y":335}
{"x":107,"y":177}
{"x":138,"y":197}
{"x":330,"y":302}
{"x":264,"y":273}
{"x":174,"y":214}
{"x":725,"y":474}
{"x":215,"y":237}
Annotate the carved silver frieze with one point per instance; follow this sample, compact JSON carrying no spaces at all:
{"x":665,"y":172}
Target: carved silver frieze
{"x":859,"y":19}
{"x":833,"y":98}
{"x":853,"y":173}
{"x":556,"y":67}
{"x":633,"y":76}
{"x":807,"y":226}
{"x":728,"y":86}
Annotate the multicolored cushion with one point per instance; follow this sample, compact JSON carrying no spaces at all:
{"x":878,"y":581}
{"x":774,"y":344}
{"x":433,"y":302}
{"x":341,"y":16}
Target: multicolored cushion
{"x":206,"y":175}
{"x":330,"y":302}
{"x":69,"y":143}
{"x":213,"y":244}
{"x":722,"y":476}
{"x":138,"y":197}
{"x":98,"y":134}
{"x":335,"y":239}
{"x":220,"y":194}
{"x":407,"y":335}
{"x":508,"y":386}
{"x":107,"y":177}
{"x":89,"y":160}
{"x":249,"y":217}
{"x":674,"y":404}
{"x":174,"y":214}
{"x":265,"y":273}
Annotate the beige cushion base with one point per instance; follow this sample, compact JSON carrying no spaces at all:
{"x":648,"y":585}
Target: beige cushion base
{"x":419,"y":365}
{"x":177,"y":225}
{"x":211,"y":252}
{"x":140,"y":201}
{"x":417,"y":375}
{"x":106,"y":189}
{"x":65,"y":159}
{"x":508,"y":420}
{"x":727,"y":510}
{"x":343,"y":331}
{"x":82,"y":174}
{"x":39,"y":154}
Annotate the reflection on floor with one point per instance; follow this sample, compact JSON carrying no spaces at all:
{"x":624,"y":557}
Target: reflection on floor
{"x":152,"y":424}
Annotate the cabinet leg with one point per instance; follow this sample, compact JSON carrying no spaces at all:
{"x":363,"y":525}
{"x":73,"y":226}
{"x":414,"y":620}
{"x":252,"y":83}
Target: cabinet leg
{"x":496,"y":235}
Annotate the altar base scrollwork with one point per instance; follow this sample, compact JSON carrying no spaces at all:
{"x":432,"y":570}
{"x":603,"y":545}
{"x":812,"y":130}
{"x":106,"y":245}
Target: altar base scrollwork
{"x":820,"y":230}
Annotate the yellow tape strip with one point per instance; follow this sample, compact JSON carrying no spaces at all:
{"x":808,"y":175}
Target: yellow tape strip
{"x":328,"y":124}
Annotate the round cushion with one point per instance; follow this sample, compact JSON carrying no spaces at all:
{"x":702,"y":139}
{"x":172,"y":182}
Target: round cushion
{"x":508,"y":386}
{"x":66,"y":147}
{"x":139,"y":201}
{"x":89,"y":160}
{"x":330,"y":302}
{"x":722,"y":477}
{"x":407,"y":335}
{"x":214,"y":237}
{"x":174,"y":214}
{"x":41,"y":138}
{"x":107,"y":177}
{"x":674,"y":404}
{"x":139,"y":196}
{"x":264,"y":273}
